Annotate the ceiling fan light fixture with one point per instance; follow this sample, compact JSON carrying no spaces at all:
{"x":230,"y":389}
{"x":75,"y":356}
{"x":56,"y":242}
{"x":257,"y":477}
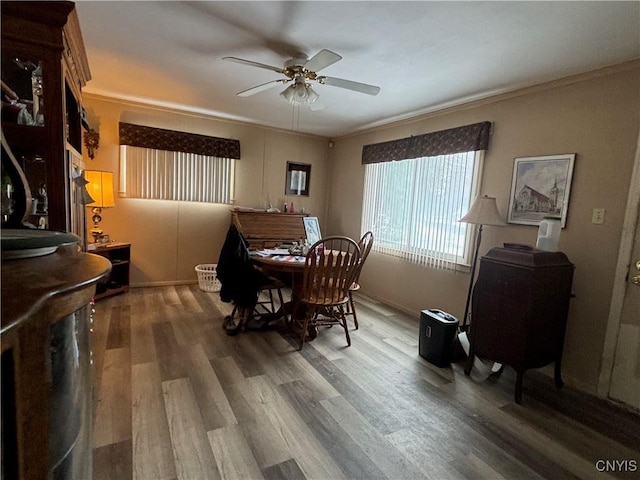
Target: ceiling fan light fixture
{"x":299,"y":94}
{"x":312,"y":96}
{"x":299,"y":69}
{"x":288,"y":94}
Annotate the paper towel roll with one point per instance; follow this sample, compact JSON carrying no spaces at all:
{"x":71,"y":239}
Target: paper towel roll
{"x":481,"y":368}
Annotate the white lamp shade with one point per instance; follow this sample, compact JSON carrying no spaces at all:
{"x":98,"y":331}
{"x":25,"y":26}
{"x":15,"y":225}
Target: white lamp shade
{"x":100,"y":187}
{"x":312,"y":96}
{"x":300,"y":93}
{"x":484,"y":211}
{"x":288,"y":93}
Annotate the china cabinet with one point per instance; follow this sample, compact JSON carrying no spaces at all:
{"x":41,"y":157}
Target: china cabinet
{"x":47,"y":289}
{"x":44,"y":68}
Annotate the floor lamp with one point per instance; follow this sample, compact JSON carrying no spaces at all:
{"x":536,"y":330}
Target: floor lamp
{"x":484,"y":211}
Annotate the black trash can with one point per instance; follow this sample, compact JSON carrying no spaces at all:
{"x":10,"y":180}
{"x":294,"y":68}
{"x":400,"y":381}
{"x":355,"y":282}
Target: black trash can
{"x":437,"y":333}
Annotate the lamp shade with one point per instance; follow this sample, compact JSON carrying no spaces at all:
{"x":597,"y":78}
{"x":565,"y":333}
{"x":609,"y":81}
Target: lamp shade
{"x":100,"y":188}
{"x":312,"y":96}
{"x":484,"y":211}
{"x":300,"y":93}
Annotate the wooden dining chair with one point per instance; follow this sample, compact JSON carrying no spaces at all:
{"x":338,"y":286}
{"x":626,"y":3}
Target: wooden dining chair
{"x":365,"y":244}
{"x":244,"y":285}
{"x":266,"y":305}
{"x":330,"y":267}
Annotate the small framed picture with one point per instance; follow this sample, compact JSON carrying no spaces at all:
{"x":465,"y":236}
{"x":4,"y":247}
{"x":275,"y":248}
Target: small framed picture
{"x":540,"y":187}
{"x":312,"y":229}
{"x":298,"y":178}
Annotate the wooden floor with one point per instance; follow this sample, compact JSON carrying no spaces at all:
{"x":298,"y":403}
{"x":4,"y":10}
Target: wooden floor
{"x":175,"y":397}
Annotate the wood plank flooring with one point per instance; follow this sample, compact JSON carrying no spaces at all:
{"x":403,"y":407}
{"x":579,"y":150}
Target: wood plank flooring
{"x":176,"y":398}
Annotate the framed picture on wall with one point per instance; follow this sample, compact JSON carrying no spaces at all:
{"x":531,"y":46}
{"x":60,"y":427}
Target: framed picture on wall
{"x":540,"y":187}
{"x":297,"y":179}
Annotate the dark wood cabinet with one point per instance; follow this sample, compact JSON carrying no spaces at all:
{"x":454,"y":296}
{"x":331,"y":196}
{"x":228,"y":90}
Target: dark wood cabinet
{"x":519,"y":310}
{"x":46,"y":361}
{"x":119,"y":254}
{"x":44,"y":68}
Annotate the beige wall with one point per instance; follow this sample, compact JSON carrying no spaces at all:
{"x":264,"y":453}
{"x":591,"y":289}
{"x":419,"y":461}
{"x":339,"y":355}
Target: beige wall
{"x":597,"y":117}
{"x":169,"y":238}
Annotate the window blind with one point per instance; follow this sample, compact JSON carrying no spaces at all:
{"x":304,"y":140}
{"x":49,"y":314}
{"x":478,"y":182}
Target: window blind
{"x":167,"y":175}
{"x":161,"y":164}
{"x":412,"y":207}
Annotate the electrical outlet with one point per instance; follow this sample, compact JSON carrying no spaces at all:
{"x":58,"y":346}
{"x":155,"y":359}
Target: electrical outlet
{"x":598,"y":216}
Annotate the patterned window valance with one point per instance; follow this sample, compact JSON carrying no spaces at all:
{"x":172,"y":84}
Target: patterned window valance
{"x":468,"y":138}
{"x":170,"y":140}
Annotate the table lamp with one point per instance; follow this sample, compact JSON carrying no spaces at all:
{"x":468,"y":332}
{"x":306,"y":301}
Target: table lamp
{"x":484,"y":211}
{"x":100,"y":188}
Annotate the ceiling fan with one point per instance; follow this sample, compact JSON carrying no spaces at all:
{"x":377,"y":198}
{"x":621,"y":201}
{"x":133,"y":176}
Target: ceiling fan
{"x":299,"y":70}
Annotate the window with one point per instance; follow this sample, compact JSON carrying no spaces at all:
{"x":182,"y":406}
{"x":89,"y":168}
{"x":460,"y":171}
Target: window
{"x":168,"y":165}
{"x":417,"y":188}
{"x":413,"y":207}
{"x":165,"y":175}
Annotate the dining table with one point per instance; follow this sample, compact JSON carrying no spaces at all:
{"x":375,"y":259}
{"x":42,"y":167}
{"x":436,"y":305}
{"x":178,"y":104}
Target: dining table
{"x":293,"y":267}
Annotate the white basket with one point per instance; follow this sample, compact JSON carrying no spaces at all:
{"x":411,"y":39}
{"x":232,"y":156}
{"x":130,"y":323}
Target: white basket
{"x":207,"y":280}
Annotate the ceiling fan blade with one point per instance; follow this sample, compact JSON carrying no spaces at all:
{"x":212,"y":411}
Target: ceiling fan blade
{"x":321,"y":60}
{"x":350,"y":85}
{"x":253,"y":64}
{"x":261,"y":88}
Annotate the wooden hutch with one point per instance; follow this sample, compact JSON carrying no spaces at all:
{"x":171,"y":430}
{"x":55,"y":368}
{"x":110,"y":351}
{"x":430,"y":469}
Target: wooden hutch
{"x":47,"y":293}
{"x":44,"y":68}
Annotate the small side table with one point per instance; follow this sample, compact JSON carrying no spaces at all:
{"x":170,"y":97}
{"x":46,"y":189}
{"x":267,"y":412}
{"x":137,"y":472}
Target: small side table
{"x":119,"y":254}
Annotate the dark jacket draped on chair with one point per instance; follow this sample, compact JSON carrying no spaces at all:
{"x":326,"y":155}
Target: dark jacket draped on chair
{"x":240,"y":279}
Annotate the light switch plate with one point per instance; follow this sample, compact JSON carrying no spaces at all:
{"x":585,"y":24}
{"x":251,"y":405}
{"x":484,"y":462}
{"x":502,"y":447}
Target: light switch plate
{"x":598,"y":216}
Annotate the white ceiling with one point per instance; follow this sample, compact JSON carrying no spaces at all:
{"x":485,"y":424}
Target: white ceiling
{"x":423,"y":55}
